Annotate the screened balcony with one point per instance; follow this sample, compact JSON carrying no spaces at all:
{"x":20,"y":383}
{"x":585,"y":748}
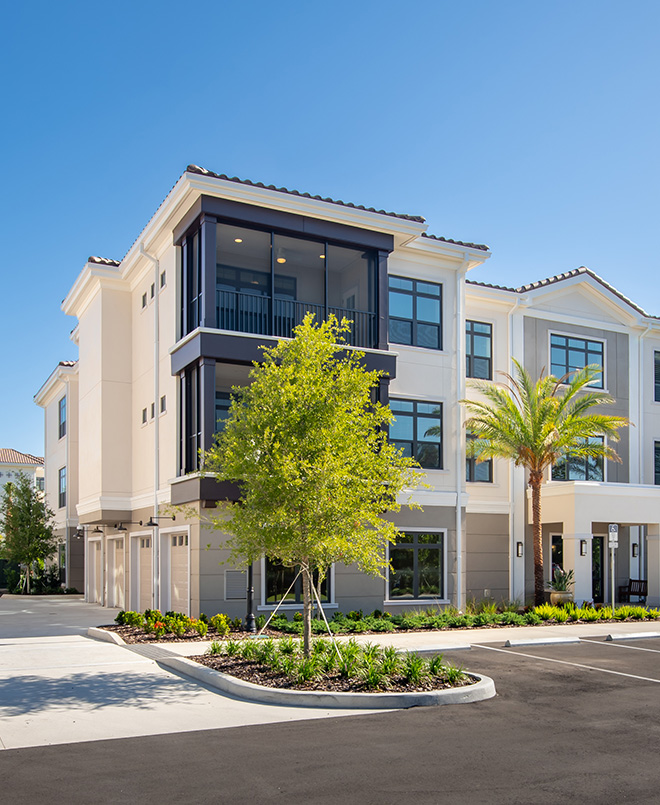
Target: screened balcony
{"x":266,"y":283}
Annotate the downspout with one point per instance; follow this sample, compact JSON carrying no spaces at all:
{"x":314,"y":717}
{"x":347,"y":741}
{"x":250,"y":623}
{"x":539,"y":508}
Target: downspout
{"x":641,"y":535}
{"x":460,"y":394}
{"x":156,"y":546}
{"x":512,"y":468}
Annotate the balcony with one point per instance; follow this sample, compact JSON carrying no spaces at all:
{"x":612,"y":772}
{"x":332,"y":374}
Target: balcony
{"x":242,"y":312}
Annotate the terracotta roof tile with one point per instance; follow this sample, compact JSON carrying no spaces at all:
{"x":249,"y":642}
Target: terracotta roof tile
{"x":103,"y":261}
{"x":9,"y":456}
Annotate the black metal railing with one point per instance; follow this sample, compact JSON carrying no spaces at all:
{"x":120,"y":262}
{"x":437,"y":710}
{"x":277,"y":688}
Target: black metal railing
{"x":250,"y":313}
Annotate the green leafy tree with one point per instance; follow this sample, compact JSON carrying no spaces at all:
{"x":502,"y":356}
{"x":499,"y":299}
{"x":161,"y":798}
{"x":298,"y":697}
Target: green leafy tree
{"x":26,"y":524}
{"x":308,"y":446}
{"x":537,"y":424}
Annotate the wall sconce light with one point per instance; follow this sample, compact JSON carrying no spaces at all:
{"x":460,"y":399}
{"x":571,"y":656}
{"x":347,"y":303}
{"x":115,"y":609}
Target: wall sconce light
{"x":583,"y":547}
{"x":635,"y":550}
{"x":519,"y":550}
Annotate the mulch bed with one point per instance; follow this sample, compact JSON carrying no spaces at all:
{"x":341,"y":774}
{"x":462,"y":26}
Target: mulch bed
{"x":333,"y":683}
{"x":135,"y":634}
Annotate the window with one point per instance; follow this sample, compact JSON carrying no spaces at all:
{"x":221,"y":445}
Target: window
{"x":280,"y":578}
{"x":162,"y":279}
{"x":417,"y":562}
{"x":557,"y":550}
{"x":163,"y":404}
{"x":61,"y":414}
{"x":410,"y":431}
{"x":568,"y":354}
{"x":144,"y":416}
{"x":40,"y":484}
{"x":478,"y":350}
{"x":153,"y":410}
{"x":656,"y":367}
{"x":415,"y":313}
{"x":580,"y":468}
{"x":477,"y":471}
{"x":656,"y":464}
{"x":222,"y":405}
{"x":144,"y":300}
{"x":152,"y":292}
{"x":62,"y":487}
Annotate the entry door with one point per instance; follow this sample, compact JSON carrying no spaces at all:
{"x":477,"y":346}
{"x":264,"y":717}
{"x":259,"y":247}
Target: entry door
{"x":179,"y":573}
{"x":598,"y":569}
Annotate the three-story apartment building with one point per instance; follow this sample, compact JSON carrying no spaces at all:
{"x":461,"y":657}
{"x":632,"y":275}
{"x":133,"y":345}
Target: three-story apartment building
{"x":225,"y":267}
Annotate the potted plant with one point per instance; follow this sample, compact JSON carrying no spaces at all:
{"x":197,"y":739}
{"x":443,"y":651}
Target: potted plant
{"x":560,"y":586}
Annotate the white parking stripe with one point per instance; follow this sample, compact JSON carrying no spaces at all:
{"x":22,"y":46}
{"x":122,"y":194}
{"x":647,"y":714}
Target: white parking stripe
{"x":619,"y":645}
{"x":565,"y":662}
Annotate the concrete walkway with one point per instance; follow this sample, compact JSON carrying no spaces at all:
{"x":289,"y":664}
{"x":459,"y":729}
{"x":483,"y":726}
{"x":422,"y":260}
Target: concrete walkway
{"x":59,"y":686}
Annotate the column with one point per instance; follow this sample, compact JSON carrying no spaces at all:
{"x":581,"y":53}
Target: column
{"x":653,"y":563}
{"x":207,"y":233}
{"x":574,"y":544}
{"x":207,"y":401}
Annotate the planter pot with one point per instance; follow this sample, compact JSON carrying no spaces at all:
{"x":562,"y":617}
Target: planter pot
{"x":560,"y":597}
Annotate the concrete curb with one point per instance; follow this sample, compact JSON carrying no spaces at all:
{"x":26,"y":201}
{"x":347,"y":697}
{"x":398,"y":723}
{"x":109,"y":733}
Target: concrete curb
{"x":105,"y":636}
{"x":484,"y":688}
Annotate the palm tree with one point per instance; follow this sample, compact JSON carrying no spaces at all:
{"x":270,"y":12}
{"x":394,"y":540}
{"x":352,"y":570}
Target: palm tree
{"x":536,"y":424}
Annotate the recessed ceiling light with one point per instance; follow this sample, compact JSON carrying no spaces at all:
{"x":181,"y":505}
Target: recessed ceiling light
{"x":281,"y":259}
{"x":322,"y":256}
{"x":238,"y":240}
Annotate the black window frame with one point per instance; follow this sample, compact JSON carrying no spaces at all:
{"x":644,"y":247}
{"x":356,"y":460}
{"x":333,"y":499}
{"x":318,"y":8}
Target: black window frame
{"x":415,"y":546}
{"x":278,"y":567}
{"x":584,"y":461}
{"x":474,"y":467}
{"x":414,"y":293}
{"x":565,"y":367}
{"x":656,"y":375}
{"x":61,"y":487}
{"x":656,"y":463}
{"x":470,"y":357}
{"x":418,"y":417}
{"x":61,"y":416}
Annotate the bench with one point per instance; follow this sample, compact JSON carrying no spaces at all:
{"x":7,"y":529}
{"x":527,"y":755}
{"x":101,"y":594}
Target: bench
{"x":637,"y":587}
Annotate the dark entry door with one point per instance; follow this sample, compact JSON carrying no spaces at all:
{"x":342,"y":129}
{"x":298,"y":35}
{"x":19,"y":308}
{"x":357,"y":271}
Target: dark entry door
{"x":598,"y":569}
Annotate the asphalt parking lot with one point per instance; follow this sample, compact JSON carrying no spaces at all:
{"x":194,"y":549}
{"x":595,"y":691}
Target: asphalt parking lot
{"x":570,"y":723}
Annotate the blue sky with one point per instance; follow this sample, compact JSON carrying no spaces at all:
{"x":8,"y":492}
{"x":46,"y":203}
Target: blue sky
{"x":532,"y":127}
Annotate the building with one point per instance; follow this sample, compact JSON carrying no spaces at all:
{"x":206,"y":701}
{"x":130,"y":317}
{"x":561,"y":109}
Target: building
{"x":59,"y":398}
{"x":225,"y":266}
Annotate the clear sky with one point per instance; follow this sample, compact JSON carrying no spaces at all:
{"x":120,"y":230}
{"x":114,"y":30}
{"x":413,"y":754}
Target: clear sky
{"x":529,"y":126}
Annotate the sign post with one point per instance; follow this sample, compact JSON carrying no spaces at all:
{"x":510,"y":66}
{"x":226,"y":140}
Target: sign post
{"x":613,"y":534}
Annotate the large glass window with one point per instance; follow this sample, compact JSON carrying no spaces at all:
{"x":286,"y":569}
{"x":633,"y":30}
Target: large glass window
{"x":580,"y":468}
{"x":478,"y":350}
{"x":279,"y":578}
{"x":191,"y":436}
{"x":222,"y":405}
{"x":568,"y":354}
{"x":656,"y":368}
{"x":61,"y":415}
{"x":656,"y":464}
{"x":410,"y":431}
{"x":62,"y":487}
{"x":417,"y":567}
{"x":192,"y":265}
{"x":415,"y":312}
{"x":267,"y":282}
{"x":477,"y":471}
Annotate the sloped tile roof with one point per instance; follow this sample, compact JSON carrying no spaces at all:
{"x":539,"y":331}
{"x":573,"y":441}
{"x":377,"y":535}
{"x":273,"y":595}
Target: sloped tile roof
{"x":9,"y":456}
{"x":480,"y":246}
{"x":103,"y":261}
{"x":204,"y":172}
{"x":576,"y":272}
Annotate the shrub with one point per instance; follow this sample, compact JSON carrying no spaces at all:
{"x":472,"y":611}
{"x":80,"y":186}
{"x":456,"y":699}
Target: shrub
{"x":373,"y":676}
{"x":216,"y":648}
{"x":390,"y":661}
{"x":236,"y":624}
{"x":414,"y":669}
{"x":260,"y":621}
{"x":454,"y":674}
{"x":220,"y":623}
{"x":510,"y":618}
{"x":436,"y":666}
{"x":355,"y":615}
{"x":545,"y":612}
{"x":201,"y":627}
{"x":297,"y":617}
{"x":232,"y":647}
{"x":532,"y":619}
{"x":119,"y":618}
{"x":306,"y":670}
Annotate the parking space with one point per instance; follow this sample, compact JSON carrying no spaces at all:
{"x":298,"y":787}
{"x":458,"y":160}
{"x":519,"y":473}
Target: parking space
{"x":629,"y":661}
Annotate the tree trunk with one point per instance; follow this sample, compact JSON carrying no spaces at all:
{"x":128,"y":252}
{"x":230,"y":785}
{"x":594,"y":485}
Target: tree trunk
{"x":307,"y":610}
{"x":535,"y":480}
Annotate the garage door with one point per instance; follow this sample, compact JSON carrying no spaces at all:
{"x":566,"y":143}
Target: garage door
{"x":179,"y":573}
